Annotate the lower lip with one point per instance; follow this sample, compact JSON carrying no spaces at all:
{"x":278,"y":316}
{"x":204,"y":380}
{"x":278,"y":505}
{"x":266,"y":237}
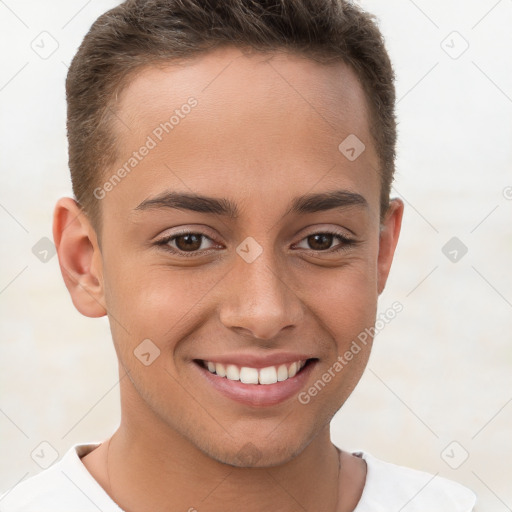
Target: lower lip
{"x":258,"y":395}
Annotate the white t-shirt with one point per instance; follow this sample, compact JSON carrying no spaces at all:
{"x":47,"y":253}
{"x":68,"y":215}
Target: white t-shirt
{"x":67,"y":486}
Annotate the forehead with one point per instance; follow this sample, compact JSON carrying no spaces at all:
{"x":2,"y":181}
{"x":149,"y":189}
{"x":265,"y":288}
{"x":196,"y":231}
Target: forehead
{"x":257,"y":121}
{"x":232,"y":84}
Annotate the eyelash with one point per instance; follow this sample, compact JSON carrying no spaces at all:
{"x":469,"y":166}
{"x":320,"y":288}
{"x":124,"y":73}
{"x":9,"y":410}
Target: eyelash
{"x":345,"y":244}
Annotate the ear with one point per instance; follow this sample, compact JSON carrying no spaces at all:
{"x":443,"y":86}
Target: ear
{"x":79,"y":257}
{"x":388,"y":238}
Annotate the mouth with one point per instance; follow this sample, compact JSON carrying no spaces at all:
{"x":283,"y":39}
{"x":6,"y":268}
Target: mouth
{"x":257,"y":385}
{"x":249,"y":375}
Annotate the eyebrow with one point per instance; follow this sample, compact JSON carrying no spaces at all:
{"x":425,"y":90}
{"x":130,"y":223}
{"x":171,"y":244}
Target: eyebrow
{"x":309,"y":203}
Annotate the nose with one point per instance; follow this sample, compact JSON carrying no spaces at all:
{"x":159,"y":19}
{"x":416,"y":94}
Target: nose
{"x":259,"y":300}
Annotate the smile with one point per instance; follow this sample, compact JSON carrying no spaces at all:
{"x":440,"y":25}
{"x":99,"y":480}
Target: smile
{"x":257,"y":382}
{"x":248,"y":375}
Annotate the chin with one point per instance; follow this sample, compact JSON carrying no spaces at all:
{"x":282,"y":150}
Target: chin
{"x":256,"y":454}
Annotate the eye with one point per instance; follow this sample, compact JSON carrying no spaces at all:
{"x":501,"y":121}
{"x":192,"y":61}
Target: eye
{"x":323,"y":241}
{"x":186,"y":242}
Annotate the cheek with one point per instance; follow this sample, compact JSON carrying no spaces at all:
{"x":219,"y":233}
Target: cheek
{"x":151,"y":310}
{"x":343,"y":299}
{"x":153,"y":301}
{"x":345,"y":307}
{"x":344,"y":303}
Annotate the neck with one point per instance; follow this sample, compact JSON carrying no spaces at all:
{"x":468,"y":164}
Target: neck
{"x":144,"y":473}
{"x":147,"y":465}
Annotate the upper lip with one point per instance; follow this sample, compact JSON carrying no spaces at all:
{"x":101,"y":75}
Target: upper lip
{"x":257,"y":360}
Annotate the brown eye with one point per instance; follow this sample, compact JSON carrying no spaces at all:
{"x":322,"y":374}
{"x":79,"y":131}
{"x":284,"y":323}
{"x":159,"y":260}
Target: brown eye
{"x":320,"y":241}
{"x":188,"y":242}
{"x":323,"y":242}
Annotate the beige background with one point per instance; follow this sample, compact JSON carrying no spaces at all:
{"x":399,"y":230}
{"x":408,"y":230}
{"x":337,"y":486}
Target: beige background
{"x":440,"y":371}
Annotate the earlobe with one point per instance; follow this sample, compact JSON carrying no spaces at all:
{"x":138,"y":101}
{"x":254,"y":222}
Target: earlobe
{"x":79,"y":257}
{"x":388,"y":239}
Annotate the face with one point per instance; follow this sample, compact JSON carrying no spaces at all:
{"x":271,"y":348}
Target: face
{"x":242,"y":238}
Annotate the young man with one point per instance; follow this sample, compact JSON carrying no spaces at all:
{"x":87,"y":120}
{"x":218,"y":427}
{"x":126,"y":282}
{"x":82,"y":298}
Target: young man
{"x":231,"y":165}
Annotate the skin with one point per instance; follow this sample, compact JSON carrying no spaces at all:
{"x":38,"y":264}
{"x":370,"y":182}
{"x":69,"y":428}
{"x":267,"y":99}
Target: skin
{"x":266,"y":130}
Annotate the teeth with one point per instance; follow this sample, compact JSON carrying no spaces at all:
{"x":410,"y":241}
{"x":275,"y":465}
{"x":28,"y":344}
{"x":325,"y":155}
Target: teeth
{"x":232,"y":372}
{"x":282,"y":372}
{"x":247,"y":375}
{"x":268,"y":375}
{"x":220,"y":370}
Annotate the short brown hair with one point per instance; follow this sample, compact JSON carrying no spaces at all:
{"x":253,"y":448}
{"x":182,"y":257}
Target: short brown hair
{"x":139,"y":33}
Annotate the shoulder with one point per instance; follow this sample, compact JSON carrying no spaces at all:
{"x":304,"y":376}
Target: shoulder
{"x":392,"y":487}
{"x":64,"y":486}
